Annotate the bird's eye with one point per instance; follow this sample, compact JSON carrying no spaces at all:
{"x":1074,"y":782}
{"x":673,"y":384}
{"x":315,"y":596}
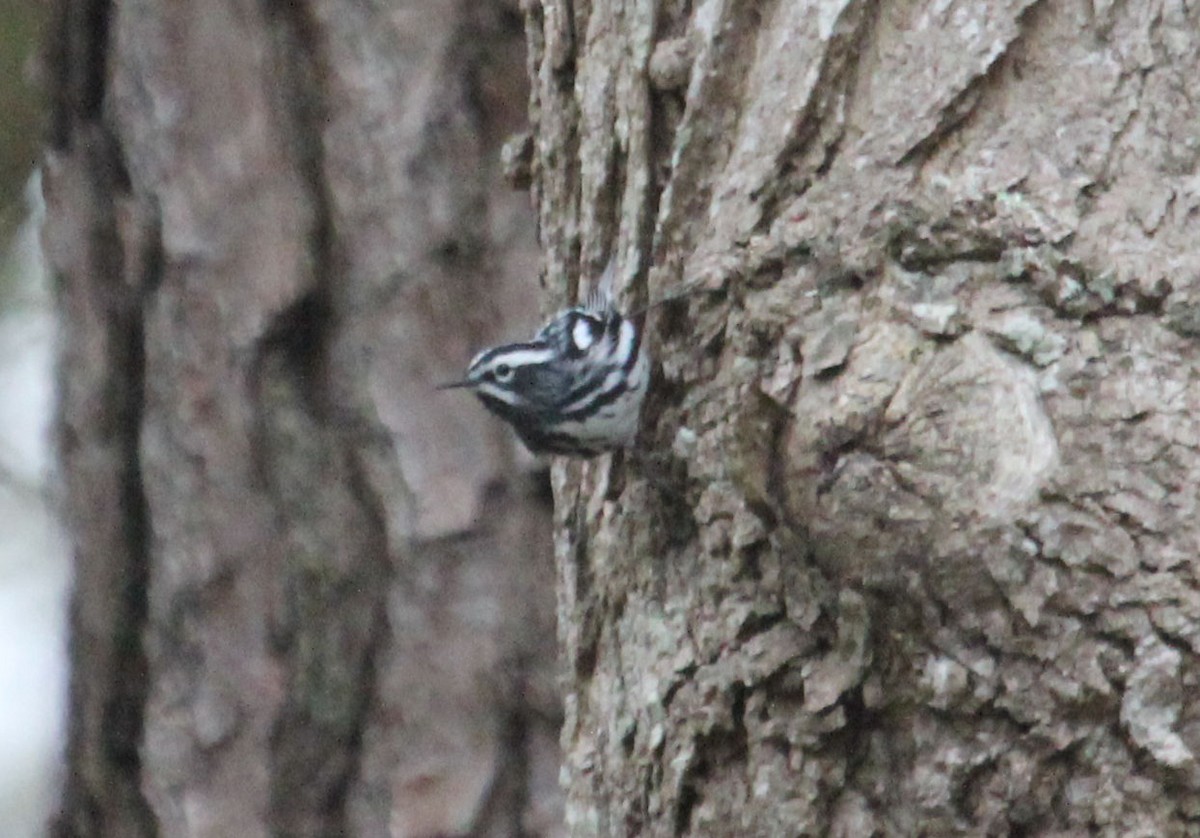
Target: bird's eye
{"x":503,"y":372}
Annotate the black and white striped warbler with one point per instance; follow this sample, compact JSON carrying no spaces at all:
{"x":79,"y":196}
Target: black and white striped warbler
{"x":576,"y":388}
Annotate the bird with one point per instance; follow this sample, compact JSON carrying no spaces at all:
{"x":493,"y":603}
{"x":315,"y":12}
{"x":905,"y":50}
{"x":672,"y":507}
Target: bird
{"x":575,"y":388}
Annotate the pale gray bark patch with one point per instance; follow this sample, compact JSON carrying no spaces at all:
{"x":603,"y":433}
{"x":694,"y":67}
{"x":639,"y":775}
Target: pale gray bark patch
{"x":1151,"y":706}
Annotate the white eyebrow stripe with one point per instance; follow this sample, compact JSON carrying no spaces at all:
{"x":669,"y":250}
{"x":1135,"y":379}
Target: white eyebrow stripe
{"x":519,"y":358}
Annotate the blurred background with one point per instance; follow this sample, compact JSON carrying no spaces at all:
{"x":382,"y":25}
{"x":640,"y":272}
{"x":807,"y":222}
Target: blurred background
{"x":33,"y":550}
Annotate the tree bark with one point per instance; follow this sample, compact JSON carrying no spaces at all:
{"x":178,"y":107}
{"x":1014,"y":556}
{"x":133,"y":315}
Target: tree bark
{"x":312,"y":595}
{"x":910,"y":545}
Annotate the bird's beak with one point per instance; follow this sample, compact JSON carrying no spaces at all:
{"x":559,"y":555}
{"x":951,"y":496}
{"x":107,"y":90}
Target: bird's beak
{"x":454,"y":385}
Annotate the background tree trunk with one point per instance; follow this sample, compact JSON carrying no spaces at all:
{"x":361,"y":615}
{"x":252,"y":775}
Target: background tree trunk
{"x":912,"y":546}
{"x":312,"y":595}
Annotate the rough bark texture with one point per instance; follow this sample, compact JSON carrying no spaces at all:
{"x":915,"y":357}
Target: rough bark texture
{"x":912,"y":544}
{"x":312,"y":595}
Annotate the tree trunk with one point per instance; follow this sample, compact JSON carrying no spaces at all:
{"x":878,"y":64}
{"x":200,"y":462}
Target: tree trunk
{"x":312,"y":595}
{"x":910,"y":545}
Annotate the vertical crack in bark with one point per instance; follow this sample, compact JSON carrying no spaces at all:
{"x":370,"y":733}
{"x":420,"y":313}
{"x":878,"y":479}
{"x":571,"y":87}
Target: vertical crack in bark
{"x":506,"y":802}
{"x":124,"y":709}
{"x":102,"y":310}
{"x":379,"y":632}
{"x":319,"y":733}
{"x":77,"y":54}
{"x":125,"y":713}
